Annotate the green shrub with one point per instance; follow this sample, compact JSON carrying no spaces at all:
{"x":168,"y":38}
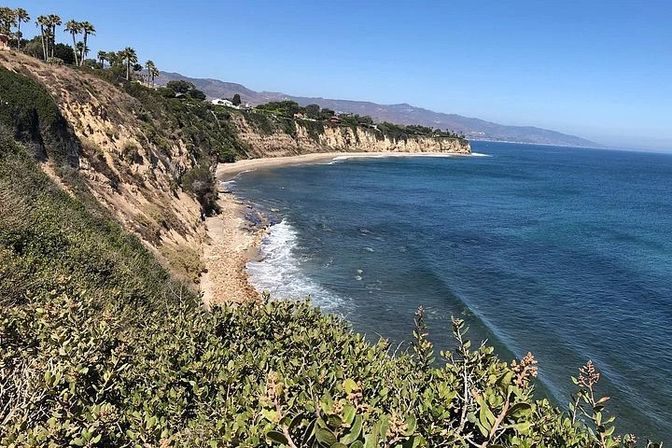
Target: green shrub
{"x":30,"y":113}
{"x":202,"y":183}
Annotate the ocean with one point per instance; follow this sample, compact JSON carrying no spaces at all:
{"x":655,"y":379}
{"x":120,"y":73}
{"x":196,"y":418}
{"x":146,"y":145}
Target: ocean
{"x":562,"y":252}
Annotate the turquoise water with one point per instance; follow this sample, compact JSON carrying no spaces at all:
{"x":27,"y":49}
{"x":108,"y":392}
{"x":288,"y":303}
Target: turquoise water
{"x":566,"y":253}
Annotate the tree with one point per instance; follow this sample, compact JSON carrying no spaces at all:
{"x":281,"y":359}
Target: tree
{"x":65,"y":53}
{"x":129,"y":56}
{"x":152,"y":71}
{"x":197,"y":95}
{"x":284,"y":108}
{"x":87,"y":30}
{"x":313,"y":111}
{"x":45,"y":29}
{"x":180,"y":86}
{"x":326,"y":114}
{"x":236,"y":100}
{"x":53,"y":21}
{"x":74,"y":28}
{"x":82,"y":51}
{"x":7,"y":20}
{"x":21,"y":15}
{"x":102,"y":57}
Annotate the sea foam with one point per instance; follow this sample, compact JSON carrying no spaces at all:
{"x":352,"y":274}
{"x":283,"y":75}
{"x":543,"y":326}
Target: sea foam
{"x":279,"y":271}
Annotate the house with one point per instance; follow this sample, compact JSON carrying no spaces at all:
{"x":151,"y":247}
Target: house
{"x":223,"y":102}
{"x":4,"y":42}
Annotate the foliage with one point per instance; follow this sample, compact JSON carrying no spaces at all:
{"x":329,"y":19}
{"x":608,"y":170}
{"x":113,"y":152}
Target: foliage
{"x":326,"y":114}
{"x":202,"y":183}
{"x":197,"y":95}
{"x":236,"y":100}
{"x":180,"y":86}
{"x":283,"y":108}
{"x":7,"y":19}
{"x":312,"y":111}
{"x":289,"y":110}
{"x":65,"y":53}
{"x":32,"y":116}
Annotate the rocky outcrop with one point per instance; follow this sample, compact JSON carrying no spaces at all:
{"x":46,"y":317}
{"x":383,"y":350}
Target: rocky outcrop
{"x":331,"y":138}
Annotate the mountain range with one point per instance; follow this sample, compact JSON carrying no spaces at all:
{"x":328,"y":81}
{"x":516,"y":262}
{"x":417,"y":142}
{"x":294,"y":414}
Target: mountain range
{"x":472,"y":128}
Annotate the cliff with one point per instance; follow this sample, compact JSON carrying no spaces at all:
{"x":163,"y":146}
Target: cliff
{"x":96,"y":140}
{"x":149,"y":159}
{"x":304,"y":136}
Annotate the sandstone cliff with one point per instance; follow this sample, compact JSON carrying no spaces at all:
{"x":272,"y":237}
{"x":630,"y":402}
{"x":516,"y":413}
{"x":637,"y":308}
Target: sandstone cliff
{"x":110,"y":147}
{"x":148,"y":159}
{"x":305,"y":138}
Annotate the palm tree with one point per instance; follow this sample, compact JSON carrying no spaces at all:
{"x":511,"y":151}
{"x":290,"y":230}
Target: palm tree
{"x":7,"y":20}
{"x":128,"y":54}
{"x":82,"y":50}
{"x":21,"y":16}
{"x":102,"y":57}
{"x":152,"y":71}
{"x":54,"y":21}
{"x":87,"y":29}
{"x":43,"y":23}
{"x":73,"y":27}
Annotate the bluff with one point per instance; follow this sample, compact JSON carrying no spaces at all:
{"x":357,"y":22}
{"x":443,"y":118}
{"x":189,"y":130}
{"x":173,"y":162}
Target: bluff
{"x":149,"y":159}
{"x":306,"y":136}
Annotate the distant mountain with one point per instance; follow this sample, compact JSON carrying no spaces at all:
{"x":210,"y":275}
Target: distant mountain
{"x":473,"y":128}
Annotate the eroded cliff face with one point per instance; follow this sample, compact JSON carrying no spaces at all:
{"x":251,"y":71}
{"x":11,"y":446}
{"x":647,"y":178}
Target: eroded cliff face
{"x":331,"y":138}
{"x":132,"y":159}
{"x":122,"y":167}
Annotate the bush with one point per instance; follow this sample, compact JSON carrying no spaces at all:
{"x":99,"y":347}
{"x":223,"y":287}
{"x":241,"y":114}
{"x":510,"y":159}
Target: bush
{"x":202,"y":183}
{"x":32,"y":116}
{"x":284,"y":108}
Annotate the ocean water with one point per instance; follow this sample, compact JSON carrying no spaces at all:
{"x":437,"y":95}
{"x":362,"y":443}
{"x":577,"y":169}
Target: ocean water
{"x":566,"y":253}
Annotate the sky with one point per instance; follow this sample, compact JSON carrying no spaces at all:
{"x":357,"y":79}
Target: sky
{"x":598,"y":69}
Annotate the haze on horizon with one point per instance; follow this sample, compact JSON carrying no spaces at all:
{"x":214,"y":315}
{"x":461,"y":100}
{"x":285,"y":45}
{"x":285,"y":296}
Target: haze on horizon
{"x":601,"y":69}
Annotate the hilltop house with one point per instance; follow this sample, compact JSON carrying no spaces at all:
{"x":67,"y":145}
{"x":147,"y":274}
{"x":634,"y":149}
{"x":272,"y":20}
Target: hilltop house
{"x":4,"y":42}
{"x":223,"y":102}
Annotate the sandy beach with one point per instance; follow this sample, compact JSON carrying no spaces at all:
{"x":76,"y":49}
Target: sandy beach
{"x":226,"y":171}
{"x":233,"y":240}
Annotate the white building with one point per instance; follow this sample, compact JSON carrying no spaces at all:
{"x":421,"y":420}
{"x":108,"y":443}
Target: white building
{"x":223,"y":102}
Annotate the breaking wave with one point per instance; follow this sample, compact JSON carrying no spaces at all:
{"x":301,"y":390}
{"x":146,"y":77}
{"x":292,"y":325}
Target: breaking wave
{"x":279,"y":273}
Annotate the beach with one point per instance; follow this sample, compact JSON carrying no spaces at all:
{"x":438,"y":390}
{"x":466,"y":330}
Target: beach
{"x":227,"y":171}
{"x":234,"y":240}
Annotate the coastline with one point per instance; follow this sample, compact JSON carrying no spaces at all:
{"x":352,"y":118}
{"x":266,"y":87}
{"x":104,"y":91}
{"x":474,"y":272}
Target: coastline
{"x":227,"y":171}
{"x":233,"y":240}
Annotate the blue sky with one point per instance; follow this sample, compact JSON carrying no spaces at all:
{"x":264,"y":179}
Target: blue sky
{"x":598,"y":69}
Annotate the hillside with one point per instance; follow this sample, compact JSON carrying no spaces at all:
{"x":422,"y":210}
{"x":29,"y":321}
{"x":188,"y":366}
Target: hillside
{"x":150,"y":159}
{"x":472,"y":128}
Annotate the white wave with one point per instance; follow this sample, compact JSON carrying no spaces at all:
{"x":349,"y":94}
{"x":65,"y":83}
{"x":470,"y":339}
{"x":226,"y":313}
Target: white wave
{"x":479,"y":154}
{"x":279,"y":271}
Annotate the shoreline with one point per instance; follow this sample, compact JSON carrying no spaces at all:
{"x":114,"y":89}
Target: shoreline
{"x":233,"y":239}
{"x":227,"y":171}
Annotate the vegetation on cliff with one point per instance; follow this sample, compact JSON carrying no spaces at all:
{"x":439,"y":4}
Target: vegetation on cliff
{"x":284,"y":115}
